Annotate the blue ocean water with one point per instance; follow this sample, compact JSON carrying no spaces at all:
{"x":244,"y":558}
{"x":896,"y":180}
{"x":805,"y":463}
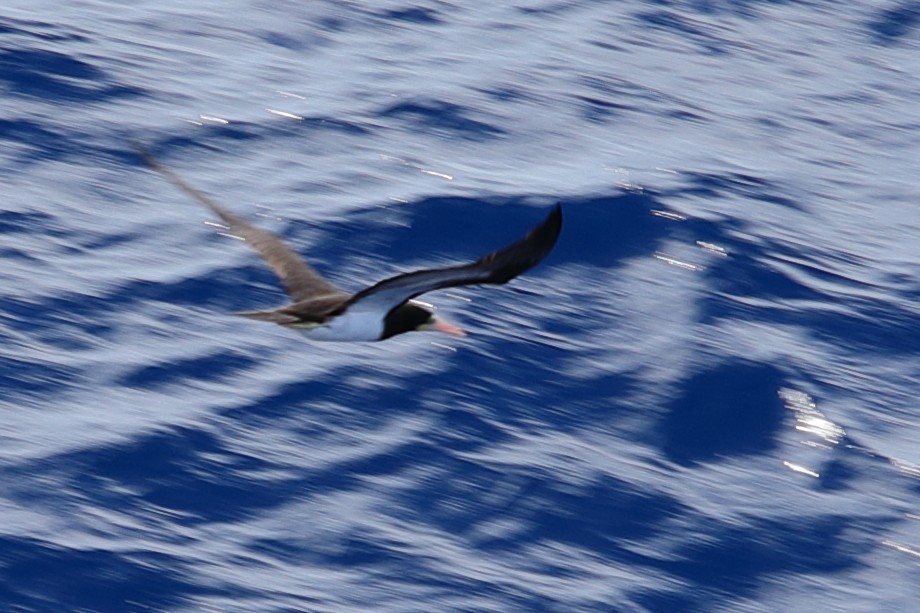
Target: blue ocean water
{"x":705,"y":399}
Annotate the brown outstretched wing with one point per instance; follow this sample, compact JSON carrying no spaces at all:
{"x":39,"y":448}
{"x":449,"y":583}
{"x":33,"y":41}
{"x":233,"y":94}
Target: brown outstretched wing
{"x":300,"y":280}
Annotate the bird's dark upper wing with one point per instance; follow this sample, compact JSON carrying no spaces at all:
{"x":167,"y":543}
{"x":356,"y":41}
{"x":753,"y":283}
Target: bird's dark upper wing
{"x":497,"y":267}
{"x":300,"y":280}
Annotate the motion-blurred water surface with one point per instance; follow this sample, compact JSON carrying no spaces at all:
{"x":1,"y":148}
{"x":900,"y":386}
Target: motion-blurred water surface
{"x":703,"y":400}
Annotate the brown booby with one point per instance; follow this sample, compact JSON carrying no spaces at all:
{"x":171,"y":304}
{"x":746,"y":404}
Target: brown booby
{"x":325,"y":313}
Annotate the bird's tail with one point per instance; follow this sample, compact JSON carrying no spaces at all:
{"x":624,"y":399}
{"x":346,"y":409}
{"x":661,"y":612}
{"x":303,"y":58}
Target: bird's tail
{"x":275,"y":317}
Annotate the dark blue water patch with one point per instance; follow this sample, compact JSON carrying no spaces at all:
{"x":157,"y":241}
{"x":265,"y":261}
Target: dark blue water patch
{"x":362,"y":549}
{"x":47,"y":62}
{"x":63,"y":323}
{"x":209,"y":139}
{"x":750,"y":9}
{"x":304,"y":41}
{"x":476,"y":594}
{"x":686,"y":28}
{"x":665,"y":600}
{"x":373,"y":404}
{"x":713,"y":186}
{"x":52,"y":316}
{"x":601,"y":231}
{"x":599,"y":517}
{"x":874,"y":326}
{"x":612,"y":94}
{"x":439,"y":227}
{"x":430,"y":115}
{"x":598,"y":404}
{"x":549,"y":7}
{"x":746,"y":273}
{"x":282,"y":402}
{"x":352,"y":473}
{"x":730,"y":410}
{"x":23,"y":378}
{"x":878,"y":327}
{"x":448,"y":226}
{"x":521,"y":387}
{"x":169,"y":469}
{"x":41,"y":576}
{"x":685,"y":115}
{"x":609,"y":45}
{"x":837,"y":475}
{"x":413,"y":14}
{"x":41,"y":142}
{"x":601,"y":110}
{"x":845,"y":467}
{"x":728,"y":564}
{"x":606,"y":231}
{"x":98,"y":241}
{"x":214,"y":141}
{"x":671,"y":20}
{"x":13,"y":254}
{"x":42,"y":30}
{"x":218,"y":292}
{"x":334,"y":125}
{"x":23,"y":222}
{"x":54,"y":76}
{"x":604,"y":97}
{"x":507,"y":93}
{"x":448,"y":590}
{"x":736,"y":561}
{"x":169,"y":452}
{"x":875,"y":321}
{"x":183,"y":371}
{"x":335,"y":23}
{"x":893,"y":24}
{"x":463,"y":429}
{"x":18,"y":314}
{"x":472,"y":413}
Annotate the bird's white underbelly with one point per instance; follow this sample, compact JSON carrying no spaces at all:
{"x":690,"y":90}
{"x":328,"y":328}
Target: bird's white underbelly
{"x":350,"y":326}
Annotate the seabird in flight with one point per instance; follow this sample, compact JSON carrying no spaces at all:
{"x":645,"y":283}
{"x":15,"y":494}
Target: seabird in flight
{"x":325,"y":313}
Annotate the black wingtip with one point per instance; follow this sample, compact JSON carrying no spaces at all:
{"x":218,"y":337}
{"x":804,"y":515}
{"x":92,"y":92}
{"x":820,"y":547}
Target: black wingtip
{"x":509,"y":262}
{"x":543,"y":238}
{"x":554,"y":220}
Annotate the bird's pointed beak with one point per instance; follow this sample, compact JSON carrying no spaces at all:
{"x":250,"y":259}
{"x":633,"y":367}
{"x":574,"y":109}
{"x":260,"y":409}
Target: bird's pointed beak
{"x":439,"y":325}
